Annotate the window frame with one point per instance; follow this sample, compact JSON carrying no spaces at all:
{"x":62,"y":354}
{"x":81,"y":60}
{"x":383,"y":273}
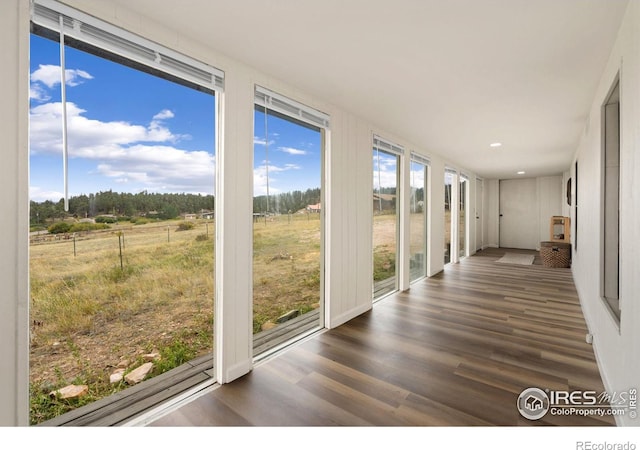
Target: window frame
{"x":380,"y":144}
{"x":55,"y":21}
{"x":275,"y":104}
{"x":610,"y":226}
{"x":426,"y":163}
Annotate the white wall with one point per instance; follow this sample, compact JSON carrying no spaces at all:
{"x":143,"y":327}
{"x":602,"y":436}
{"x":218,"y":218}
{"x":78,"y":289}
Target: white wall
{"x":471,"y":216}
{"x":436,"y":218}
{"x":492,"y":213}
{"x":566,"y":208}
{"x":14,"y":223}
{"x":550,"y":198}
{"x":548,"y":203}
{"x":617,"y":348}
{"x":348,"y":197}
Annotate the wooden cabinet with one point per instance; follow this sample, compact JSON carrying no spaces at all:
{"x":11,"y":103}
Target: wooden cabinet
{"x":560,"y":229}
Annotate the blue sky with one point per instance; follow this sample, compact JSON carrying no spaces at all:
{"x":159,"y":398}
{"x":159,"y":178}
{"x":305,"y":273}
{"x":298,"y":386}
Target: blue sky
{"x":129,"y":131}
{"x":293,"y":156}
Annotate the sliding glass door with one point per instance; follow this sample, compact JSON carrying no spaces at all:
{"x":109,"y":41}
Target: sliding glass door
{"x":386,"y":177}
{"x":288,"y":211}
{"x":463,"y":218}
{"x":418,"y":219}
{"x":449,"y":214}
{"x":121,"y":254}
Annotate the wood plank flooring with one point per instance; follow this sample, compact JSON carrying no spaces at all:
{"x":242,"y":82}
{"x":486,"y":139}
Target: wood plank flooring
{"x":455,"y":350}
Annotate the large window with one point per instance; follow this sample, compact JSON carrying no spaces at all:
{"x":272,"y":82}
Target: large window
{"x":386,"y":175}
{"x":449,"y":214}
{"x":575,"y":207}
{"x":418,"y":217}
{"x":288,"y":211}
{"x":122,"y":164}
{"x":611,"y":199}
{"x":463,"y":216}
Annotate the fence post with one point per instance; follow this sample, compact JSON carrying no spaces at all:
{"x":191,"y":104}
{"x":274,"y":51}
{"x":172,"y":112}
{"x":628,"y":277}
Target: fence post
{"x":120,"y":246}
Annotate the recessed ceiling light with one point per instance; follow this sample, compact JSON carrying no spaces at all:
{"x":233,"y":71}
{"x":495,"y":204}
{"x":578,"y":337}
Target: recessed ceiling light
{"x":495,"y":144}
{"x":521,"y":172}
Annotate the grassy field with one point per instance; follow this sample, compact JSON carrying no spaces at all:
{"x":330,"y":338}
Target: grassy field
{"x":91,"y":308}
{"x":115,"y":295}
{"x":286,"y":266}
{"x":91,"y":311}
{"x":385,"y":242}
{"x":384,"y":246}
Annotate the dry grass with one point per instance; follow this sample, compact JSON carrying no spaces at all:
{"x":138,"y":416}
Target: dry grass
{"x":385,"y":245}
{"x":89,"y":313}
{"x":286,"y":266}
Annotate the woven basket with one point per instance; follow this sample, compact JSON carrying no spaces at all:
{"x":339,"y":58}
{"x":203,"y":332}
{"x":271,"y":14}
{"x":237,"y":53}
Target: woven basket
{"x":555,"y":254}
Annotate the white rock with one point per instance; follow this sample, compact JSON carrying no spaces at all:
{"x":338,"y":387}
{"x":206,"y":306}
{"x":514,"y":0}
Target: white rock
{"x":137,"y":375}
{"x":117,"y":376}
{"x":151,"y":356}
{"x":124,"y":363}
{"x":71,"y":391}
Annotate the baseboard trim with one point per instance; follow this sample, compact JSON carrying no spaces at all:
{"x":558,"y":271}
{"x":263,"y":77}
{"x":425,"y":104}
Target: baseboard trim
{"x":347,"y":316}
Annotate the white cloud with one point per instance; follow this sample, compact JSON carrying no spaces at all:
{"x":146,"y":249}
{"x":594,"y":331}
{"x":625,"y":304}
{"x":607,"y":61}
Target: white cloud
{"x":292,"y":151}
{"x":38,"y":194}
{"x":37,"y":93}
{"x":162,"y":168}
{"x":49,"y":75}
{"x":291,"y":167}
{"x":260,"y":178}
{"x":417,"y":178}
{"x":164,"y":114}
{"x":261,"y":141}
{"x":127,"y":153}
{"x":88,"y":138}
{"x":384,"y":171}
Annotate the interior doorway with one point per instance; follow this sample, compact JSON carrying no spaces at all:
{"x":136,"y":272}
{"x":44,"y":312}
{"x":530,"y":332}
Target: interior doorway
{"x":479,"y":215}
{"x":519,"y":227}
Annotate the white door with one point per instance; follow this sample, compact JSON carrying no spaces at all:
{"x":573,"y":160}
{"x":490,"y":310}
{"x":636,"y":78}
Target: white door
{"x":479,"y":214}
{"x":519,"y":227}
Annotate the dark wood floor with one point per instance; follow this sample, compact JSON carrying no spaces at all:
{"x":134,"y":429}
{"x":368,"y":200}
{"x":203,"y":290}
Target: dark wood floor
{"x":455,"y":350}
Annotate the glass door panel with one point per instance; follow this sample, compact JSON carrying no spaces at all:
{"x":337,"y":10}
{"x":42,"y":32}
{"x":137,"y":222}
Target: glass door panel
{"x":385,"y":222}
{"x":418,"y":221}
{"x":287,"y":229}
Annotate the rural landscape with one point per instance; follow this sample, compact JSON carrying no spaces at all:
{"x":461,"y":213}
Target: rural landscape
{"x":122,"y":279}
{"x":111,"y":290}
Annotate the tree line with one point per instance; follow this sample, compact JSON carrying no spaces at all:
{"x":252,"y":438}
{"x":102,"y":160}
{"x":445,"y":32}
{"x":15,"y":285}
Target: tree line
{"x":286,"y":202}
{"x":165,"y":206}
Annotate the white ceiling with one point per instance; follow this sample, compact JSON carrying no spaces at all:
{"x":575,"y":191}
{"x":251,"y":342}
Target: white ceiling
{"x":450,"y":76}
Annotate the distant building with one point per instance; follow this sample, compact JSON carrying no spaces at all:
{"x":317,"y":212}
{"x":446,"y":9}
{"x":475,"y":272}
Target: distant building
{"x":384,"y":202}
{"x":314,"y":208}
